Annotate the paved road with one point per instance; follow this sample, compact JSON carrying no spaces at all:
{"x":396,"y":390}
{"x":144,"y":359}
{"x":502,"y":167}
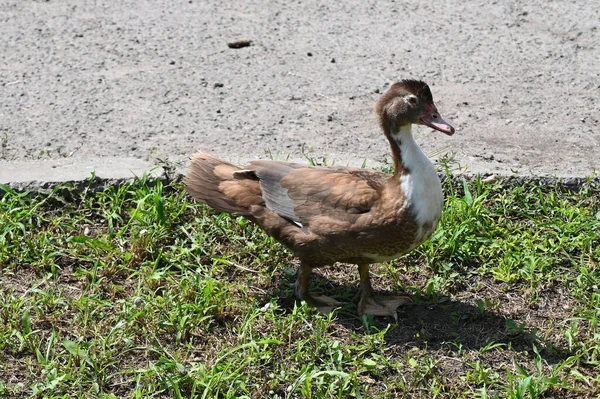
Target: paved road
{"x":134,"y":78}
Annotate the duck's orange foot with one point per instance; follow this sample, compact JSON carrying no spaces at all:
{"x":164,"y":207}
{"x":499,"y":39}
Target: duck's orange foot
{"x":322,"y":303}
{"x":382,"y":305}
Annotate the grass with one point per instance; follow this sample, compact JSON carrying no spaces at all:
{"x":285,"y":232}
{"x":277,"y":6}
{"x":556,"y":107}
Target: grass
{"x":138,"y":292}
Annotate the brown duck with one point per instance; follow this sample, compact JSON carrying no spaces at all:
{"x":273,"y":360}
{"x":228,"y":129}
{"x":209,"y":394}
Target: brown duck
{"x":339,"y":214}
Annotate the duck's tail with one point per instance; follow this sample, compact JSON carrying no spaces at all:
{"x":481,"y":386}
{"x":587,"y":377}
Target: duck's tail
{"x":214,"y":182}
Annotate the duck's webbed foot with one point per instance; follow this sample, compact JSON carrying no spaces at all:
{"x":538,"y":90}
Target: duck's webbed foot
{"x":377,"y":305}
{"x":322,"y":303}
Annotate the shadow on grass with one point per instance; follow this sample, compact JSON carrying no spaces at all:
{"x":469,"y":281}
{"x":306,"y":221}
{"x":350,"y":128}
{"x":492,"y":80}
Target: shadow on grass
{"x":434,"y":323}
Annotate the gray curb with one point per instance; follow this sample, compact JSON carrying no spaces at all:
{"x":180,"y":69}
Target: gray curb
{"x":96,"y":174}
{"x":93,"y":173}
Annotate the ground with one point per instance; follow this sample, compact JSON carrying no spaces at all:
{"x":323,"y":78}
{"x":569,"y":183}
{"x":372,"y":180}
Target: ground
{"x":138,"y":292}
{"x":104,"y":78}
{"x":135,"y":291}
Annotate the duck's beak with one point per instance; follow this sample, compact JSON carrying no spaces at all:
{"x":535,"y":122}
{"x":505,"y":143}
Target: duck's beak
{"x":434,"y":120}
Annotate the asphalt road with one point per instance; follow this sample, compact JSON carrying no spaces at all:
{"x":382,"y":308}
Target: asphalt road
{"x":520,"y":81}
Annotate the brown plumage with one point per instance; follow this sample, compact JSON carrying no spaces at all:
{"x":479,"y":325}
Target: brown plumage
{"x":338,"y":214}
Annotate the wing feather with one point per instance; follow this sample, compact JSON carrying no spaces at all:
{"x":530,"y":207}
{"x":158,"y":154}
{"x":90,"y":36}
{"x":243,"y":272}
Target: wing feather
{"x":298,"y":192}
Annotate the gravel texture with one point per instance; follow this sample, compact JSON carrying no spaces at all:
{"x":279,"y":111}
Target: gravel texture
{"x":520,"y":81}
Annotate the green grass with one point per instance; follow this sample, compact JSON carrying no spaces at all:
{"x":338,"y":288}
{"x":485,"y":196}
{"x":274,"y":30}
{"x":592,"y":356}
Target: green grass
{"x":138,"y":292}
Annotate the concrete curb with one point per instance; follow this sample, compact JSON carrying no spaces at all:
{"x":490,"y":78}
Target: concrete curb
{"x":93,"y":174}
{"x":96,"y":174}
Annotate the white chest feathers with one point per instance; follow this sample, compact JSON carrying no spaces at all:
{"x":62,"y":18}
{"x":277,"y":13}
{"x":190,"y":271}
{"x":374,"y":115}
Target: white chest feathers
{"x":421,"y":186}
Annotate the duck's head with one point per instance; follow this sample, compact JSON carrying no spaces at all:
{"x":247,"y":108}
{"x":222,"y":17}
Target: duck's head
{"x":409,"y":102}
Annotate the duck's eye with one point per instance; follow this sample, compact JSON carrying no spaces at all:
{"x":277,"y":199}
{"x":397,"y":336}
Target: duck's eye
{"x":412,"y":100}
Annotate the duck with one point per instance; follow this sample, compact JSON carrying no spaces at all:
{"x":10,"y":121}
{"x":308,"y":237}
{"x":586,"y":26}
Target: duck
{"x":326,"y":215}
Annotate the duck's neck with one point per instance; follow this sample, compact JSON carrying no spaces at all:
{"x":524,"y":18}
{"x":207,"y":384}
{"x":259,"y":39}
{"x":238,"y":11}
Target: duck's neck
{"x":406,"y":153}
{"x":419,"y":182}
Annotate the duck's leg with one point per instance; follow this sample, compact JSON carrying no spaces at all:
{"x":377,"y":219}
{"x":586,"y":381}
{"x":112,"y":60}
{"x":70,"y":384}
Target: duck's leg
{"x":376,"y":305}
{"x":323,"y":303}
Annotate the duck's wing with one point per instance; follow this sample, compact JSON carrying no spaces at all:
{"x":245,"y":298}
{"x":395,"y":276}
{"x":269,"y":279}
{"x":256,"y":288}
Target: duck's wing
{"x":299,"y":193}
